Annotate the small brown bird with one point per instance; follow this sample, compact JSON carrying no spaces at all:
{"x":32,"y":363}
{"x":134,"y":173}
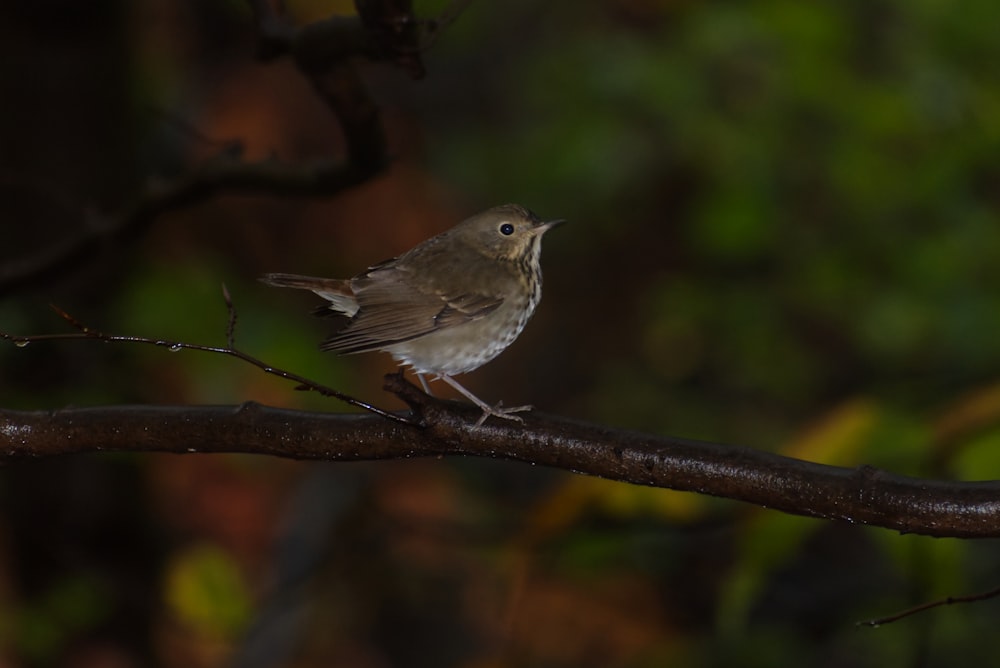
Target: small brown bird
{"x":446,"y":306}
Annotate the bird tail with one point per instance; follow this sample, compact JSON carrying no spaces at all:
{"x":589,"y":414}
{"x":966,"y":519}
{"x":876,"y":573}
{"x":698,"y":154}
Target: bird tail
{"x":335,"y":290}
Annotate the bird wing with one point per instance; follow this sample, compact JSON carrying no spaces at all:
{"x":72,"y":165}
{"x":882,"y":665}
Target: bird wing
{"x":392,"y":310}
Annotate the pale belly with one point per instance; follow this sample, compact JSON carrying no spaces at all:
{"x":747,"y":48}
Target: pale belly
{"x":460,"y":349}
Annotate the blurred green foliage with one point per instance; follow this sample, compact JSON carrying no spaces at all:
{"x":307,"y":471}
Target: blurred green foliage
{"x":41,"y":630}
{"x":817,"y":180}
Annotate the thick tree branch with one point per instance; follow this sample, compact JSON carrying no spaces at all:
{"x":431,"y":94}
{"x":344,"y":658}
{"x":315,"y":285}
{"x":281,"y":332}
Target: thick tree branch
{"x":863,"y":495}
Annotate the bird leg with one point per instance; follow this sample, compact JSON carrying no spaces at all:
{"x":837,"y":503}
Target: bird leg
{"x":498,"y":410}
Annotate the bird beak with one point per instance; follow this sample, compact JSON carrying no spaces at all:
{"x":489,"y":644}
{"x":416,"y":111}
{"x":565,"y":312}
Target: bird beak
{"x":549,"y":224}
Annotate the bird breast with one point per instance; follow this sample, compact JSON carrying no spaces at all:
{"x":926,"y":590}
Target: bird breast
{"x":462,"y":348}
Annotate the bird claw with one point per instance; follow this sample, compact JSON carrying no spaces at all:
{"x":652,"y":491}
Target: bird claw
{"x":501,"y":412}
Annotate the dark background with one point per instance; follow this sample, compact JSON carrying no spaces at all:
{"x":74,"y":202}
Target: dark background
{"x":784,"y":233}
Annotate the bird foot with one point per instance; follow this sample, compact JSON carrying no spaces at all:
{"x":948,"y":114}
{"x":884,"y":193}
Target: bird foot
{"x":501,"y":412}
{"x":498,"y":410}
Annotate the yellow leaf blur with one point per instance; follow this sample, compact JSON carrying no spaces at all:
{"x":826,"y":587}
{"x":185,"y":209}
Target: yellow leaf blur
{"x":205,"y":590}
{"x":837,"y":437}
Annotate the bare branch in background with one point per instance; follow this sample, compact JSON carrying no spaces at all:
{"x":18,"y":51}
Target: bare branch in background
{"x":384,"y":30}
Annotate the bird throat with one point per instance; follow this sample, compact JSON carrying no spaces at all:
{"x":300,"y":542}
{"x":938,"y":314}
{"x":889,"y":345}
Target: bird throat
{"x":529,"y":267}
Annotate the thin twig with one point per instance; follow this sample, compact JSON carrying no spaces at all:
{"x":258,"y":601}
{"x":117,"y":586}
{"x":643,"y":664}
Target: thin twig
{"x":231,"y":323}
{"x":303,"y":383}
{"x":950,"y":600}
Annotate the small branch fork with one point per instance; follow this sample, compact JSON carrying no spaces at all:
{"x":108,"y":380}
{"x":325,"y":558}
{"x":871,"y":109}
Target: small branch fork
{"x":230,"y":349}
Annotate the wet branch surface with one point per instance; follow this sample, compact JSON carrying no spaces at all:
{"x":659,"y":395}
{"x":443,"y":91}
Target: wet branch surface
{"x":437,"y":428}
{"x":434,"y":428}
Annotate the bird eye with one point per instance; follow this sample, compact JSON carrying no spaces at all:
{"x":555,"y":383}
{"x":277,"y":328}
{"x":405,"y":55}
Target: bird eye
{"x":506,"y":229}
